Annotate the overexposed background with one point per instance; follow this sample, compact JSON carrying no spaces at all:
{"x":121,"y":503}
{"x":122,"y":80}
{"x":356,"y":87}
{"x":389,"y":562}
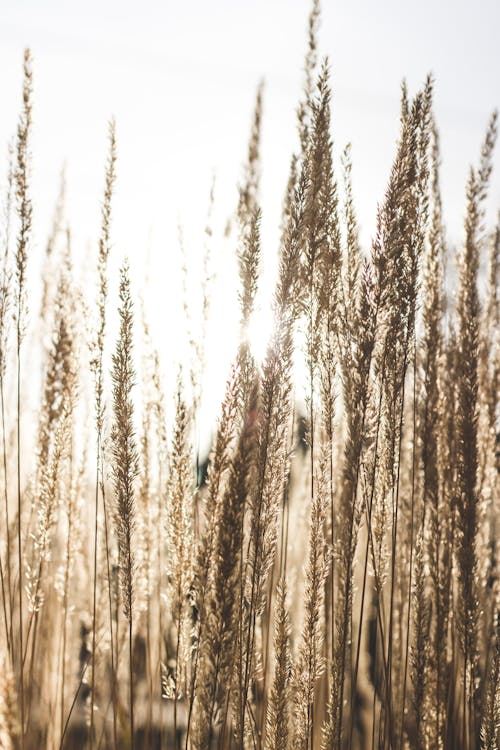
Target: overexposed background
{"x":181,"y":77}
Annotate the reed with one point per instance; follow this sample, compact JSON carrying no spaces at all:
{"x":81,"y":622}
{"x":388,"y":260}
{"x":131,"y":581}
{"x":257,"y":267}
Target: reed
{"x":327,"y":575}
{"x":125,"y":467}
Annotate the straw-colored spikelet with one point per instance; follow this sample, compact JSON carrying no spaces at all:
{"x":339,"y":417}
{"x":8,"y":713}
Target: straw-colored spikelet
{"x":353,"y":255}
{"x":180,"y":529}
{"x":249,"y":190}
{"x":53,"y":441}
{"x":125,"y":465}
{"x":24,"y":213}
{"x":23,"y":198}
{"x":123,"y":444}
{"x":102,"y":267}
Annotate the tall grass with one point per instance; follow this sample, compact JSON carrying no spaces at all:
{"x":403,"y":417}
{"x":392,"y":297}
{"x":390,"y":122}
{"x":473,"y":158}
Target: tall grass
{"x":332,"y":580}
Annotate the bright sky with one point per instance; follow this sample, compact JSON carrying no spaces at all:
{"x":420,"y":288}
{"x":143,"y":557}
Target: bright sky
{"x":181,"y":77}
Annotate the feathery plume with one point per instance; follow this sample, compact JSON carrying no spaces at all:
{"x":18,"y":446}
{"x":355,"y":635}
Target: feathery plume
{"x":24,"y":212}
{"x":180,"y":535}
{"x":125,"y":463}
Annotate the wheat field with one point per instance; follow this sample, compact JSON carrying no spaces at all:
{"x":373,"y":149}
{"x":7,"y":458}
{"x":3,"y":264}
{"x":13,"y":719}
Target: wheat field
{"x":326,"y":578}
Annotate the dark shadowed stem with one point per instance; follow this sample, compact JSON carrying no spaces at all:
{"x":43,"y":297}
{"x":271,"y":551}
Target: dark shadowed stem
{"x":19,"y":521}
{"x":4,"y":606}
{"x":65,"y":594}
{"x":191,"y":694}
{"x":7,"y":524}
{"x":412,"y":516}
{"x":65,"y":622}
{"x":212,"y":698}
{"x":222,"y":732}
{"x":114,"y":663}
{"x":73,"y":702}
{"x":374,"y":705}
{"x":103,"y":730}
{"x":131,"y":663}
{"x":31,"y":679}
{"x":160,"y":619}
{"x":176,"y":676}
{"x":332,"y":561}
{"x":94,"y":592}
{"x":149,"y":666}
{"x":464,"y":703}
{"x":253,"y":725}
{"x":310,"y":705}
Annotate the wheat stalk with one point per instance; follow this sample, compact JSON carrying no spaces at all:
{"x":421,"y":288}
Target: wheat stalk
{"x":468,"y":312}
{"x":96,"y":365}
{"x":24,"y":212}
{"x":125,"y":465}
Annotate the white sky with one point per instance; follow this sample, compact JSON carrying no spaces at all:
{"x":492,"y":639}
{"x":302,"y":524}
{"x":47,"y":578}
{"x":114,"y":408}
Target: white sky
{"x":181,"y":77}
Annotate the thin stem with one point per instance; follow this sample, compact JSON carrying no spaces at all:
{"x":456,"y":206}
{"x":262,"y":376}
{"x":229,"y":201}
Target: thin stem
{"x":412,"y":514}
{"x":7,"y":521}
{"x":94,"y":592}
{"x":131,"y":672}
{"x":19,"y":520}
{"x":114,"y":663}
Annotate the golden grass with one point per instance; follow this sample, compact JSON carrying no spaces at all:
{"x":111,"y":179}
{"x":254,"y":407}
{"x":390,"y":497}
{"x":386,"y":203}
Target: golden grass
{"x":332,"y":582}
